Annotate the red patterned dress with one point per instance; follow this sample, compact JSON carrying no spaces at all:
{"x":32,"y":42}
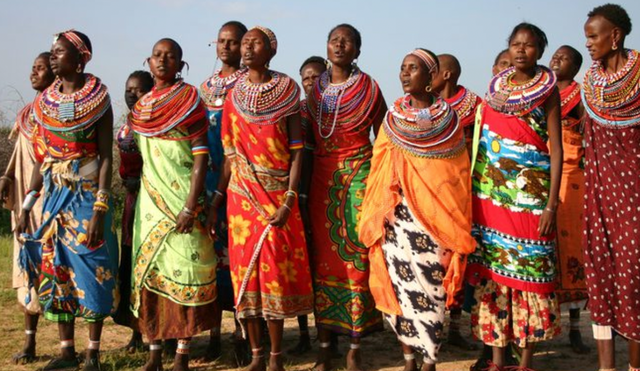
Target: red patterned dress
{"x":269,"y":265}
{"x":612,"y":195}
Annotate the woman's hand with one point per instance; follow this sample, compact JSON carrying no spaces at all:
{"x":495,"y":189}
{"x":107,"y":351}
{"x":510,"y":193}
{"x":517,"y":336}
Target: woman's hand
{"x":5,"y":186}
{"x":185,"y":222}
{"x":547,"y":222}
{"x":23,"y":222}
{"x":212,"y":219}
{"x":280,"y":217}
{"x":95,"y":232}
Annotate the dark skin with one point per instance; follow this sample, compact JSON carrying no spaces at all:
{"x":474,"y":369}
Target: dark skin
{"x":228,"y":51}
{"x":41,"y":77}
{"x":605,"y":42}
{"x":165,"y":64}
{"x":341,"y":52}
{"x":525,"y":53}
{"x":504,"y":62}
{"x":414,"y":78}
{"x":256,"y":53}
{"x":65,"y":61}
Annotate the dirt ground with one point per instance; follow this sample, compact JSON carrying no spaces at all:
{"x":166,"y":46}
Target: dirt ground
{"x":380,"y":351}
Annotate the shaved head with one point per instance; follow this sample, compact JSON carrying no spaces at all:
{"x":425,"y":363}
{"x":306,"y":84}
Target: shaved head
{"x":450,"y":63}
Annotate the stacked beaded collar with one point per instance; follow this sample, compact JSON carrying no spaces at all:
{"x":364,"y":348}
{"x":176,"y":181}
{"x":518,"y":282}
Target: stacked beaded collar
{"x":214,"y":90}
{"x":613,"y":99}
{"x":25,"y":121}
{"x":340,"y":108}
{"x":60,"y":112}
{"x":464,"y":103}
{"x":432,"y":132}
{"x":268,"y":103}
{"x":569,"y":99}
{"x":507,"y":97}
{"x":160,"y":111}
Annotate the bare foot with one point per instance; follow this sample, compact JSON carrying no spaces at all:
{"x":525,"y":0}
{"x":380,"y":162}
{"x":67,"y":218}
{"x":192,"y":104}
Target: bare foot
{"x":275,"y":363}
{"x":303,"y":346}
{"x":410,"y":365}
{"x":28,"y":352}
{"x":135,"y":343}
{"x":257,"y":364}
{"x":354,"y":362}
{"x":152,"y":365}
{"x":428,"y":367}
{"x":324,"y":360}
{"x":181,"y":362}
{"x":456,"y":339}
{"x":578,"y":346}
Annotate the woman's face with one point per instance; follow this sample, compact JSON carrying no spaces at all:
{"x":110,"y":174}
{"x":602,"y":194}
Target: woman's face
{"x":165,"y":61}
{"x":341,"y":47}
{"x":228,"y":45}
{"x":255,"y":49}
{"x":134,"y":90}
{"x":600,"y":37}
{"x":414,"y":75}
{"x":523,"y":50}
{"x":41,"y":75}
{"x":64,"y":58}
{"x":310,"y":74}
{"x":563,"y":65}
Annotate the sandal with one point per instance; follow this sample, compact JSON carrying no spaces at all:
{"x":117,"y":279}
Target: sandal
{"x":61,"y":364}
{"x":23,"y":358}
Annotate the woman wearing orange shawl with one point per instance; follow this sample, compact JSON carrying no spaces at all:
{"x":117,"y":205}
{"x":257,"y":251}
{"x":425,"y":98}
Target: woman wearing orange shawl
{"x":416,"y":216}
{"x":572,"y":287}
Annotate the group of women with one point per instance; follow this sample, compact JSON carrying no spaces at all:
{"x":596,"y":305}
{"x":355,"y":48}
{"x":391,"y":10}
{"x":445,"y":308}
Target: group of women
{"x":241,"y":197}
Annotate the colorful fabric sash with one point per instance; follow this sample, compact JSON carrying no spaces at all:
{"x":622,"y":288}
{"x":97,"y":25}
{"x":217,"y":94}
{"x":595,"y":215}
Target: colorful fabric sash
{"x":158,"y":112}
{"x":613,"y":100}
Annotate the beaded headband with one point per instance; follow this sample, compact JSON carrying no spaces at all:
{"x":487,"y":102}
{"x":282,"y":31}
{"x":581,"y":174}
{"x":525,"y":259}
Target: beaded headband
{"x":73,"y":37}
{"x":431,"y":63}
{"x":270,"y":35}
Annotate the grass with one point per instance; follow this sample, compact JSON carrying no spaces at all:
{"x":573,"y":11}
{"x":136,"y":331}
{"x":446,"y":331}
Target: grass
{"x":380,"y":351}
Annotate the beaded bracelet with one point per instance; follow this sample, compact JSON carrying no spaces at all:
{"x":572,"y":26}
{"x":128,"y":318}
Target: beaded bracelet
{"x":30,"y":200}
{"x":291,"y":193}
{"x":295,"y":144}
{"x":189,"y":212}
{"x":100,"y":206}
{"x":199,"y":150}
{"x":549,"y":210}
{"x":287,"y":207}
{"x":103,"y":196}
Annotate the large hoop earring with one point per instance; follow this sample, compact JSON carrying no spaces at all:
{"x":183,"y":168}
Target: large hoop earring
{"x":79,"y":68}
{"x":614,"y":46}
{"x":428,"y":88}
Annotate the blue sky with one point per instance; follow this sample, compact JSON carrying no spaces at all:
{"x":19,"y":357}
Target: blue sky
{"x":123,"y":33}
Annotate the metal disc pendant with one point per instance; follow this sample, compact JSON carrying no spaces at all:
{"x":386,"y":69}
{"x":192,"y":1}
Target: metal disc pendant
{"x":218,"y":102}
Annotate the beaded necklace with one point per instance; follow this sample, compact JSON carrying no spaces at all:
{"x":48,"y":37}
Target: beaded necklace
{"x":614,"y":99}
{"x":464,"y":103}
{"x":519,"y":99}
{"x":60,"y":112}
{"x":160,"y":111}
{"x":214,"y":90}
{"x":432,"y":132}
{"x":343,"y":107}
{"x":25,"y":121}
{"x":266,"y":104}
{"x":569,"y":99}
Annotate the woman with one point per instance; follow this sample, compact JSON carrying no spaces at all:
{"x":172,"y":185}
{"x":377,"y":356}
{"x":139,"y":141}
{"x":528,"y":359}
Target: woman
{"x":138,"y":84}
{"x":174,"y":277}
{"x":262,"y":146}
{"x":213,"y":91}
{"x":515,"y":194}
{"x":310,"y":71}
{"x":345,"y":105}
{"x":612,"y":137}
{"x":75,"y":246}
{"x":416,"y":216}
{"x":565,"y":63}
{"x":13,"y":188}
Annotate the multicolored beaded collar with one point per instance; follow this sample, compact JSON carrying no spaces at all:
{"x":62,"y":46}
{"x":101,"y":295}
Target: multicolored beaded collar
{"x":464,"y":103}
{"x":339,"y":108}
{"x":613,"y":99}
{"x":214,"y":90}
{"x":268,"y":103}
{"x":569,"y":99}
{"x":519,"y":99}
{"x":60,"y":112}
{"x":432,"y":132}
{"x":25,"y":121}
{"x":160,"y":111}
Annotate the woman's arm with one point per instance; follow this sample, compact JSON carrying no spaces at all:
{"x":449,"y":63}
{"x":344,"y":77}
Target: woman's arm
{"x":104,"y":135}
{"x":187,"y":215}
{"x":552,"y":112}
{"x":380,"y":112}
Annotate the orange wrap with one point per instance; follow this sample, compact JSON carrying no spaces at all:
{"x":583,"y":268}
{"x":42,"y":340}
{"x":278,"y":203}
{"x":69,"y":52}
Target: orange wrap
{"x":438,"y":192}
